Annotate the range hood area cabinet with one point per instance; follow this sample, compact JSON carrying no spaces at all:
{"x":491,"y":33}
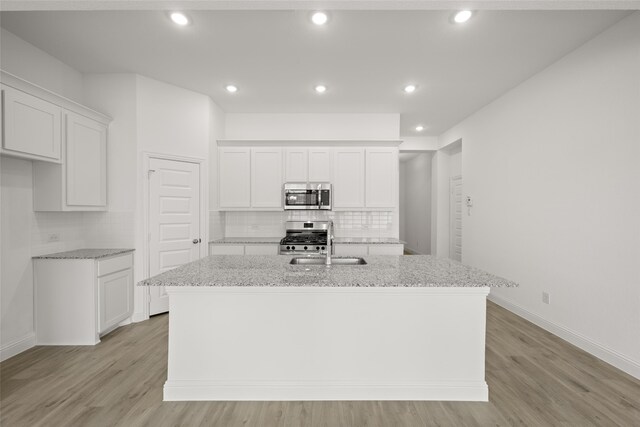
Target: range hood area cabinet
{"x":67,"y":142}
{"x":251,"y":178}
{"x":307,"y":164}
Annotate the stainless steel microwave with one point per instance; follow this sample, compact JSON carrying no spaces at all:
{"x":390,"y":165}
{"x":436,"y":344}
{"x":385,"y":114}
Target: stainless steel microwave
{"x":303,"y":196}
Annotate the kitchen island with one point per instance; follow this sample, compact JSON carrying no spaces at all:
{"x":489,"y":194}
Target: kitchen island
{"x":258,"y":328}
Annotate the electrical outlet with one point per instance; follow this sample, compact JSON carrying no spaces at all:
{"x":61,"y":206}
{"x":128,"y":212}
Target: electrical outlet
{"x":53,"y":237}
{"x":546,"y":298}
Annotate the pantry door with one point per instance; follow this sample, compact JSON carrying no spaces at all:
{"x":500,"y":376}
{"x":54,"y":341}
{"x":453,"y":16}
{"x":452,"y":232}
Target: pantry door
{"x":174,"y":221}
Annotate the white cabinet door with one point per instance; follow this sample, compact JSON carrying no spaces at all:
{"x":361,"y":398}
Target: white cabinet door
{"x":225,"y":249}
{"x":116,"y":298}
{"x":266,"y":177}
{"x":86,"y":161}
{"x":319,"y":164}
{"x":295,"y":164}
{"x":261,"y":249}
{"x":350,"y":250}
{"x":31,"y":126}
{"x":386,"y":249}
{"x":381,"y":177}
{"x":234,"y":183}
{"x":348,"y":178}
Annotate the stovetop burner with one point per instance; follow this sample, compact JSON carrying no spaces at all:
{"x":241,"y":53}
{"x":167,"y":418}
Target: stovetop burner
{"x":304,"y":237}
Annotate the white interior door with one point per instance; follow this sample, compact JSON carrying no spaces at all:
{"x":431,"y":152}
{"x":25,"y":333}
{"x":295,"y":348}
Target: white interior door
{"x":174,"y":221}
{"x":455,"y":219}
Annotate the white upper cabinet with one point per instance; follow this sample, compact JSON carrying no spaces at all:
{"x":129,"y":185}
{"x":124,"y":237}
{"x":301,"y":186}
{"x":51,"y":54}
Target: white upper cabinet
{"x":266,"y":177}
{"x":296,"y":164}
{"x":80,"y":182}
{"x":86,"y":162}
{"x":320,"y":164}
{"x":234,"y":180}
{"x":381,"y":177}
{"x":307,"y":164}
{"x":31,"y":127}
{"x":348,"y":178}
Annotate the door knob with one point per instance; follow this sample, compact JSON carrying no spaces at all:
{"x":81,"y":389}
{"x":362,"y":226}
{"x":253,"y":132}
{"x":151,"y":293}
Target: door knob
{"x":196,"y":241}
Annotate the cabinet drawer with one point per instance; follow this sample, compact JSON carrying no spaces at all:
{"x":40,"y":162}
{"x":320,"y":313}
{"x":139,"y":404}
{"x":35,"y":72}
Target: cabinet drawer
{"x":226,"y":250}
{"x":117,"y":263}
{"x":390,"y":249}
{"x":261,"y":250}
{"x":350,"y":250}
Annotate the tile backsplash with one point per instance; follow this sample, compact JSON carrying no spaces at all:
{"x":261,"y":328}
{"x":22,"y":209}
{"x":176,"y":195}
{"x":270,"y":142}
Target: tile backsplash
{"x":272,"y":224}
{"x":63,"y":231}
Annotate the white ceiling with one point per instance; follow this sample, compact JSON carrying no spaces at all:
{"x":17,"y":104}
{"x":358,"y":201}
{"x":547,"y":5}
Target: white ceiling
{"x":364,"y":57}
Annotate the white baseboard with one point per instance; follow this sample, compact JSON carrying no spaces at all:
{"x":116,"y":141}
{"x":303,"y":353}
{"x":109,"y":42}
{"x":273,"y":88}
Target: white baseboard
{"x":608,"y":355}
{"x":18,"y":346}
{"x":313,"y":390}
{"x":139,"y":317}
{"x":411,"y":250}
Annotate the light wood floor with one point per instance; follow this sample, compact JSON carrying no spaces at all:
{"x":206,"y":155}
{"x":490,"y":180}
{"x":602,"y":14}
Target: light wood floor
{"x":535,"y":379}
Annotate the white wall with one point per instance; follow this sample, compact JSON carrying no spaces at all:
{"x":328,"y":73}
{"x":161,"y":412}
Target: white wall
{"x":313,"y":126}
{"x":416,"y":209}
{"x":30,"y":63}
{"x":402,"y":201}
{"x":419,"y":143}
{"x":553,"y":167}
{"x":216,"y":132}
{"x":16,"y":296}
{"x":115,"y":95}
{"x":23,"y":232}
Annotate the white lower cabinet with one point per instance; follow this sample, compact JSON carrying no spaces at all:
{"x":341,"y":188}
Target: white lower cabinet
{"x":350,"y":250}
{"x":386,"y":249}
{"x":261,"y":249}
{"x":77,"y":300}
{"x":226,"y":249}
{"x":354,"y":249}
{"x":240,"y":249}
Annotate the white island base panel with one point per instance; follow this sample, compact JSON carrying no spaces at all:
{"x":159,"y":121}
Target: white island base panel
{"x":326,"y":343}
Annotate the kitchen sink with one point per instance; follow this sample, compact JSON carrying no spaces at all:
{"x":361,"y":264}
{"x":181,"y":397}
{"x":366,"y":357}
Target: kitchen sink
{"x":322,"y":261}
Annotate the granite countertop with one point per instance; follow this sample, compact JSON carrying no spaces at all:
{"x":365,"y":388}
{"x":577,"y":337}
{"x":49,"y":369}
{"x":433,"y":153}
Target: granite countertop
{"x":85,"y":254}
{"x":248,"y":240}
{"x":276,"y":240}
{"x":367,"y":240}
{"x":275,"y":271}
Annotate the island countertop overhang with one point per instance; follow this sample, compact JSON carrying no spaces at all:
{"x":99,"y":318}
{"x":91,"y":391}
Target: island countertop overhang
{"x":275,"y":271}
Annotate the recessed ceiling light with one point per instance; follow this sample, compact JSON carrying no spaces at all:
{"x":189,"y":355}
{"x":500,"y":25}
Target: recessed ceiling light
{"x":319,"y":18}
{"x":321,"y":88}
{"x":462,"y":16}
{"x":231,"y":88}
{"x":410,"y":88}
{"x":419,"y":128}
{"x":179,"y":18}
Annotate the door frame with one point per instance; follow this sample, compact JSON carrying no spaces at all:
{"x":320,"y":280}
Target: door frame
{"x":146,"y":194}
{"x":452,"y":213}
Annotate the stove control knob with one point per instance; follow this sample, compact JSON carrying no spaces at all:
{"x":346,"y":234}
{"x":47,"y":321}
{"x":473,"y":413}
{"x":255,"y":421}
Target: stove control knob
{"x":293,"y":248}
{"x":305,"y":248}
{"x":322,"y":248}
{"x":317,"y":248}
{"x":288,"y":247}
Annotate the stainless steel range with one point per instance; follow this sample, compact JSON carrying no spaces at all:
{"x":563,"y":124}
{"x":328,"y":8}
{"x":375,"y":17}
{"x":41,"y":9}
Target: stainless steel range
{"x":305,"y":237}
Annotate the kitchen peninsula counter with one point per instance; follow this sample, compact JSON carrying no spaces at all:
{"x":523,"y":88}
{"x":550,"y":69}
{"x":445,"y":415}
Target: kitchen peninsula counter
{"x":258,"y":328}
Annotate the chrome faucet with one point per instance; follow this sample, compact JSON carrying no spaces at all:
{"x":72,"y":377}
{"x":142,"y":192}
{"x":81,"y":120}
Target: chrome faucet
{"x":329,"y":250}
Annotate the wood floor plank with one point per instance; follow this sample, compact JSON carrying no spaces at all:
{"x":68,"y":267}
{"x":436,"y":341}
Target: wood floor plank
{"x":534,"y":377}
